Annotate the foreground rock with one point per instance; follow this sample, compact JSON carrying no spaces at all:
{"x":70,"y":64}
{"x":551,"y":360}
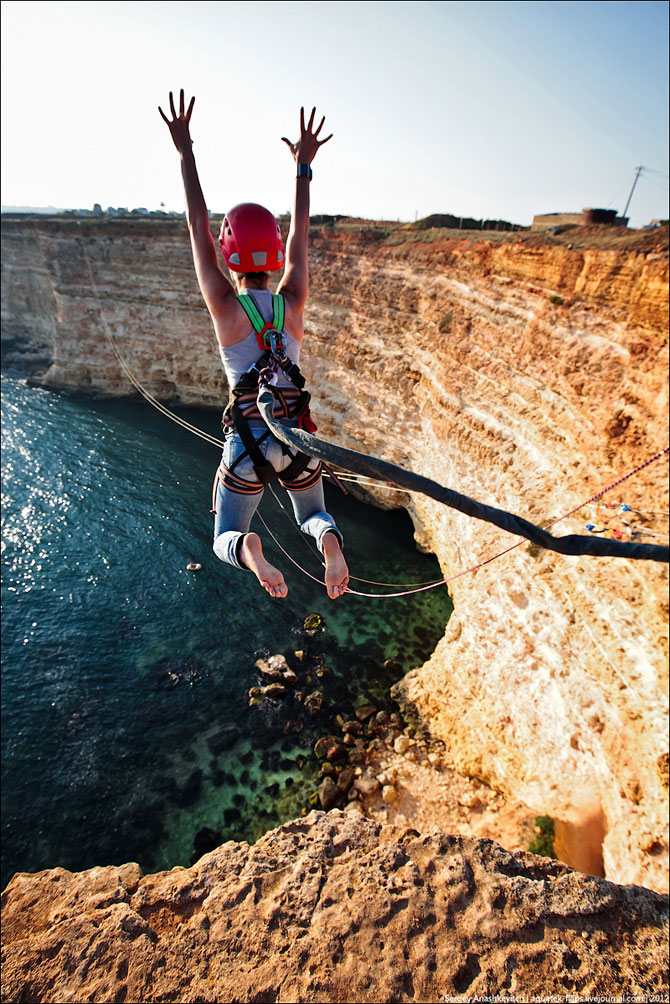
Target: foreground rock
{"x":306,"y":913}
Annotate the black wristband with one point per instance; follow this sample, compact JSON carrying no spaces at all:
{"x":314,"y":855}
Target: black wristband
{"x":304,"y":171}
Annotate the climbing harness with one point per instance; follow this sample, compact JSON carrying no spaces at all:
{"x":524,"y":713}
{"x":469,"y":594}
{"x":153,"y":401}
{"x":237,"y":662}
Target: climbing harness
{"x":292,"y":402}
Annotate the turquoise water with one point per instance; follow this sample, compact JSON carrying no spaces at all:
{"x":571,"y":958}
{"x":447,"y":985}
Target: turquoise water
{"x":126,"y":727}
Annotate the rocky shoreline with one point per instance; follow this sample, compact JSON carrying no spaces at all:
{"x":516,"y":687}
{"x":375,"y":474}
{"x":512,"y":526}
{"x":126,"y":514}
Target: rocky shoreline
{"x":377,"y":762}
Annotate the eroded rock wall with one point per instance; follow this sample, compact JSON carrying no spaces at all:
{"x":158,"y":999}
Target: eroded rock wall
{"x":522,"y":374}
{"x":551,"y":679}
{"x":132,"y":285}
{"x":332,"y":908}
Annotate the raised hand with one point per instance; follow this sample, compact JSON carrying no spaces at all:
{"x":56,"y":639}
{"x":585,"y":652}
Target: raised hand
{"x":179,"y":124}
{"x":304,"y":150}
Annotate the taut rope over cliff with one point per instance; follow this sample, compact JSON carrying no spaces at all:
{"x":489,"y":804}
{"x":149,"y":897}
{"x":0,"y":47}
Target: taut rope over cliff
{"x":359,"y":463}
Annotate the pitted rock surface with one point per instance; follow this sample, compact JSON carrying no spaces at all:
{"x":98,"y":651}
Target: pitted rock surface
{"x":332,"y":908}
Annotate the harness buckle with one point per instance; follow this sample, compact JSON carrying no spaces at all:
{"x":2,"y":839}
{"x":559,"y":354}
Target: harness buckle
{"x":277,"y":344}
{"x":271,"y":338}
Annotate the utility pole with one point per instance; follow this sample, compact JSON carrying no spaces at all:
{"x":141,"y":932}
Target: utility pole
{"x":638,"y":172}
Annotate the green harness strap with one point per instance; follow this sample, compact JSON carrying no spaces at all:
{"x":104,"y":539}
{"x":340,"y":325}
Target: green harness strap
{"x":260,"y":326}
{"x":278,"y":311}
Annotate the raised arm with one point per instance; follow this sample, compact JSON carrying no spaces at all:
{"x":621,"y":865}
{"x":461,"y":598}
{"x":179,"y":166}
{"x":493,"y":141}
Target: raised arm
{"x":295,"y":281}
{"x":214,"y":286}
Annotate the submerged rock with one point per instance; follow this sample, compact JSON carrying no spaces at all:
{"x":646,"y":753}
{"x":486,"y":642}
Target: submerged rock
{"x":273,"y":690}
{"x":392,"y":666}
{"x":206,"y":840}
{"x":273,"y":668}
{"x":328,"y":793}
{"x":364,"y":712}
{"x":322,"y":746}
{"x":189,"y":791}
{"x":222,"y":740}
{"x":169,"y":673}
{"x":313,"y":624}
{"x":338,"y":753}
{"x":314,"y":702}
{"x":345,"y":779}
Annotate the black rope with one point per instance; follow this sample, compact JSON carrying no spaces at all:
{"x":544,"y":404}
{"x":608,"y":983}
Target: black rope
{"x":359,"y":463}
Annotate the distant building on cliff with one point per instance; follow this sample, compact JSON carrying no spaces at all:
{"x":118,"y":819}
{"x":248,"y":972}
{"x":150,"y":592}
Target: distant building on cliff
{"x":587,"y":217}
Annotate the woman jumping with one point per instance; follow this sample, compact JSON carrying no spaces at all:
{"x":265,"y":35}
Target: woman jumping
{"x":252,"y":247}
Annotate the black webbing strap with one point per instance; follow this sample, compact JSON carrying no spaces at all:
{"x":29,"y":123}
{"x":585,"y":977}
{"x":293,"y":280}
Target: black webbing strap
{"x":264,"y":470}
{"x":359,"y":463}
{"x":295,"y":468}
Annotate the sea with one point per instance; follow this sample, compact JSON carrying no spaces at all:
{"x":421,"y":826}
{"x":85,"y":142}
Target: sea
{"x":128,"y":731}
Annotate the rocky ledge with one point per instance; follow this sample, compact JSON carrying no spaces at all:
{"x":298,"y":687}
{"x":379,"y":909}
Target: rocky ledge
{"x":332,"y":908}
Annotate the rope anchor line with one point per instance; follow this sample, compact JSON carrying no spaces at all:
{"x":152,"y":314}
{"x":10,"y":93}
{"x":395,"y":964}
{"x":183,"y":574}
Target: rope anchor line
{"x":358,"y":463}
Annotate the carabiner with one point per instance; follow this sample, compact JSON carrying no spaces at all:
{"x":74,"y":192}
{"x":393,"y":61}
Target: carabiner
{"x":277,"y":346}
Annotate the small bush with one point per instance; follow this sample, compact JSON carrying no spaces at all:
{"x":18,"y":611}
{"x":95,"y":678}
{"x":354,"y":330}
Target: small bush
{"x":558,"y":300}
{"x":543,"y":844}
{"x":445,"y":323}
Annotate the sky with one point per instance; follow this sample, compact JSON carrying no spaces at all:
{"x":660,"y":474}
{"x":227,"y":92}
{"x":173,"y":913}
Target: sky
{"x":483,"y":109}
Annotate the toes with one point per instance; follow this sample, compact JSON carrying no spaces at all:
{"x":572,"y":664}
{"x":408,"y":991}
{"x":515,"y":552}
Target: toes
{"x":338,"y":590}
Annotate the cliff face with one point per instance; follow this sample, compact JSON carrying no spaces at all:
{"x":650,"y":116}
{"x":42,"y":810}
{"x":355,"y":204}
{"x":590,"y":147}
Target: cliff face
{"x":333,"y":908}
{"x":523,"y":374}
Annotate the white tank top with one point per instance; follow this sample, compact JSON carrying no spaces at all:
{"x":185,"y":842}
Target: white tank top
{"x":239,"y":358}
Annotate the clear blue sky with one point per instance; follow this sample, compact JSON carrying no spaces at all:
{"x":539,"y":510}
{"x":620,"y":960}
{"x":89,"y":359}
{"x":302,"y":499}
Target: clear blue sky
{"x":502,"y":109}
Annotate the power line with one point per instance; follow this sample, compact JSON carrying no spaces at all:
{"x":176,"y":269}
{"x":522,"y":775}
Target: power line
{"x":654,"y":171}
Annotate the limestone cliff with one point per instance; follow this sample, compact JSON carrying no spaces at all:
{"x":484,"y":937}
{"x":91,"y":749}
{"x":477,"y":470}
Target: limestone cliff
{"x":527,"y":372}
{"x":334,"y":908}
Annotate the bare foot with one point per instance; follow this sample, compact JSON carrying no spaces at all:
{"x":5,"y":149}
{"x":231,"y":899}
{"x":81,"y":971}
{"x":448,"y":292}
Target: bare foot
{"x":251,"y":556}
{"x":337,"y":573}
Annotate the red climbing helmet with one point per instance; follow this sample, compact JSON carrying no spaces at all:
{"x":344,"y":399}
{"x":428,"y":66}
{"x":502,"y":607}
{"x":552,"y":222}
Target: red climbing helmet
{"x":250,"y":239}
